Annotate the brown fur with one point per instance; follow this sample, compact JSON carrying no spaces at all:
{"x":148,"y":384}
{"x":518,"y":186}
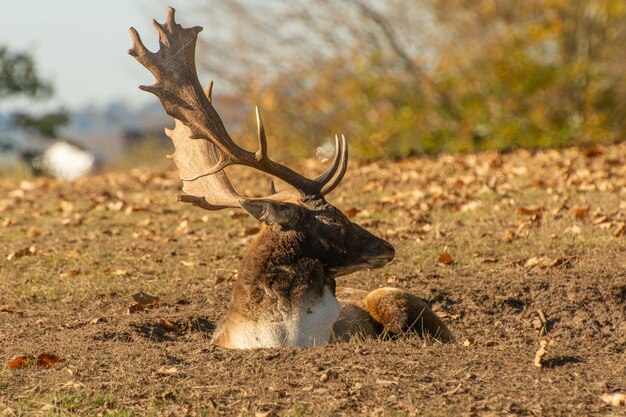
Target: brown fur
{"x":386,"y":311}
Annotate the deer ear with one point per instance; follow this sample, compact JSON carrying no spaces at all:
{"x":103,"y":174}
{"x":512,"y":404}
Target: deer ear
{"x":272,"y":212}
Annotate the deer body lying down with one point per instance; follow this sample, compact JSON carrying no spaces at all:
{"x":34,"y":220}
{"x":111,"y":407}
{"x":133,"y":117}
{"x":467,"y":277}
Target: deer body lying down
{"x":286,"y":293}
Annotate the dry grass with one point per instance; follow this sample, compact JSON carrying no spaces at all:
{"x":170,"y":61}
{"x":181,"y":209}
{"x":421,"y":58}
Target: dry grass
{"x":103,"y":238}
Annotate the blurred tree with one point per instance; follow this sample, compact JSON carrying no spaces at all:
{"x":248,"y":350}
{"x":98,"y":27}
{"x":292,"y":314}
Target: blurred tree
{"x":47,"y":125}
{"x":405,"y":76}
{"x":18,"y":77}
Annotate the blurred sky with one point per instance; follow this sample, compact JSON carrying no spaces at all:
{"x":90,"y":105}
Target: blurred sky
{"x":81,"y":46}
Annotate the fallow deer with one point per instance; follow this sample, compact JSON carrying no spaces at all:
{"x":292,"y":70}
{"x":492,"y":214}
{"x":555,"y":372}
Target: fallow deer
{"x":285,"y":294}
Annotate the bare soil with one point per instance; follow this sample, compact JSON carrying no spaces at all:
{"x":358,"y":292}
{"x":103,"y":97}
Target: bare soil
{"x":538,"y":248}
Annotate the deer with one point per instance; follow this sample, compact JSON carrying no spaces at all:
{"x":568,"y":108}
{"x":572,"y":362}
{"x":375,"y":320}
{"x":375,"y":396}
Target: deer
{"x":285,"y":293}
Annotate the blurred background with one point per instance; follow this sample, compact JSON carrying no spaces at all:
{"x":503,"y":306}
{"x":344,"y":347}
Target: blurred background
{"x":398,"y":77}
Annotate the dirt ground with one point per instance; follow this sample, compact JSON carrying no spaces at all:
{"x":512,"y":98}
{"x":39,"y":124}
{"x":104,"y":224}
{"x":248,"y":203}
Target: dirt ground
{"x":538,"y":247}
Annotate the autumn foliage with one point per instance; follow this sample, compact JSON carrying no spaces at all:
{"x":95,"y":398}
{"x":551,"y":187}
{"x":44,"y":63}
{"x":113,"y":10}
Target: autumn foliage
{"x":412,"y":77}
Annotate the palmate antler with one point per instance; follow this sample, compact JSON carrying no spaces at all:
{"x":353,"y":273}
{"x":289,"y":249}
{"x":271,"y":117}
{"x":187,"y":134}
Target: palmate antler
{"x":203,"y":147}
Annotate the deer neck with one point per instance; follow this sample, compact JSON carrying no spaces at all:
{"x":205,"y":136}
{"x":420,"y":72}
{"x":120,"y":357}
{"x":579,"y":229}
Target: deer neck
{"x":282,"y":296}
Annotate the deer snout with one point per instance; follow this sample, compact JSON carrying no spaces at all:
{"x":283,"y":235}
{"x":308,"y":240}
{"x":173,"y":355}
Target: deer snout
{"x":379,"y":252}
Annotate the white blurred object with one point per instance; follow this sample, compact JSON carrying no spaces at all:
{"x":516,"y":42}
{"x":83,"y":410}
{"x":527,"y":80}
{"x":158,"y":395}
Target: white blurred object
{"x":326,"y":151}
{"x":67,"y":161}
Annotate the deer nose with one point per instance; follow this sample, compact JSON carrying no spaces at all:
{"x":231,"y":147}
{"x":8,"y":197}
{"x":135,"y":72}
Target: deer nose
{"x":380,"y":249}
{"x":389,"y":249}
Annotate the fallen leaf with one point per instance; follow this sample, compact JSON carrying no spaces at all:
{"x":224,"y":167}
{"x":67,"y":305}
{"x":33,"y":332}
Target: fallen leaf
{"x":469,"y":341}
{"x":621,"y":228}
{"x":66,"y":206}
{"x":616,"y":399}
{"x":33,"y":232}
{"x":7,"y":309}
{"x":22,"y":252}
{"x":530,"y":211}
{"x":115,"y":206}
{"x":534,"y":261}
{"x":386,"y":382}
{"x":183,"y":227}
{"x":143,"y":301}
{"x":575,"y":230}
{"x":559,"y":262}
{"x":167,"y":371}
{"x":540,"y":354}
{"x":445,"y":258}
{"x":8,"y":412}
{"x":44,"y":359}
{"x":581,"y":213}
{"x":508,"y":235}
{"x":169,"y":324}
{"x":351,"y":212}
{"x":73,"y":385}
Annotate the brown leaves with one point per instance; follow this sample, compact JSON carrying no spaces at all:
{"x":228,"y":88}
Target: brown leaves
{"x":43,"y":360}
{"x":8,"y":309}
{"x":581,"y":213}
{"x":530,"y":211}
{"x":169,"y":324}
{"x":616,"y":399}
{"x":544,"y":262}
{"x":29,"y":251}
{"x":143,"y":301}
{"x":445,"y":258}
{"x":352,"y":212}
{"x":538,"y":362}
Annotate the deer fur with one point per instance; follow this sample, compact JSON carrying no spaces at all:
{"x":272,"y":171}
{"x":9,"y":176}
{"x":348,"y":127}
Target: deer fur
{"x":286,"y":292}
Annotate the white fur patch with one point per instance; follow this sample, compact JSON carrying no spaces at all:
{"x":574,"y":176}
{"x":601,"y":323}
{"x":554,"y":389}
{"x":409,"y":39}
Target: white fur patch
{"x":308,"y":324}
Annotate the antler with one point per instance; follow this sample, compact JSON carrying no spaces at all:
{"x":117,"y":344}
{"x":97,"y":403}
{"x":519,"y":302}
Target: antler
{"x":203,"y":146}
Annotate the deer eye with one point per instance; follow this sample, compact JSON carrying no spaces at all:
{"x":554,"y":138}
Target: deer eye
{"x":329,"y":220}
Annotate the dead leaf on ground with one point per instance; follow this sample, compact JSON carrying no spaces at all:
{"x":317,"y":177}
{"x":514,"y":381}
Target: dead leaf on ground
{"x":445,"y":258}
{"x":508,"y":235}
{"x":7,"y":309}
{"x":575,"y":230}
{"x":524,"y":211}
{"x":544,"y":262}
{"x":351,"y":212}
{"x":562,"y":262}
{"x":44,"y":359}
{"x":143,"y":301}
{"x":616,"y":399}
{"x":581,"y":213}
{"x":169,"y":324}
{"x":31,"y":250}
{"x":621,"y":228}
{"x":164,"y":370}
{"x":469,"y":341}
{"x":540,"y":354}
{"x":33,"y":232}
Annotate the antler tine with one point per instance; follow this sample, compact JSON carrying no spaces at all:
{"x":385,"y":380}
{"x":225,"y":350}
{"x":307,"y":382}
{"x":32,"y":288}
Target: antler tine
{"x":208,"y":91}
{"x":261,"y":154}
{"x":327,"y":188}
{"x":326,"y":176}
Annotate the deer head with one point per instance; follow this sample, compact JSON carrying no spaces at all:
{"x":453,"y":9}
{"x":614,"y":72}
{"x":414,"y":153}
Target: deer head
{"x":304,"y":222}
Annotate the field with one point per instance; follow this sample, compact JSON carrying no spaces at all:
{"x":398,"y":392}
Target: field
{"x":538,"y":251}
